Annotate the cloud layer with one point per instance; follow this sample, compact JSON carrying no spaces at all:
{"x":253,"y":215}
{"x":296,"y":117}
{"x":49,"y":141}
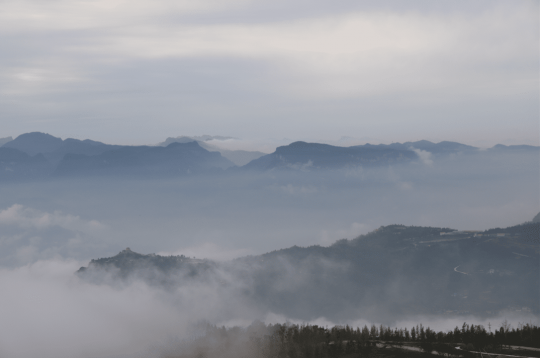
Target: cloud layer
{"x":258,"y":69}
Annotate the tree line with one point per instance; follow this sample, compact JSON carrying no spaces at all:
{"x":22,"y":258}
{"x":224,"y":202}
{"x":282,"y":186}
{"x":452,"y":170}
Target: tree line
{"x":313,"y":341}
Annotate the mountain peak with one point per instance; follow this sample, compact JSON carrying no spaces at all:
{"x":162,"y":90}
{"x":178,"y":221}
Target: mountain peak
{"x":35,"y":142}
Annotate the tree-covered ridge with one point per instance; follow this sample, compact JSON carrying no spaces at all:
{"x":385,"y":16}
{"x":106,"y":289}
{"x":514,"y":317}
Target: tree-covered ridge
{"x":394,"y":271}
{"x":154,"y":269}
{"x":312,"y":341}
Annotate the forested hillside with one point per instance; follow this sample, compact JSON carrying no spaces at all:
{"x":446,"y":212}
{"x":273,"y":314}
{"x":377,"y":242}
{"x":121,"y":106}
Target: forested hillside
{"x":392,"y":272}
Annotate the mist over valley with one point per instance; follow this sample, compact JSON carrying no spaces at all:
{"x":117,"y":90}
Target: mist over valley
{"x":435,"y":233}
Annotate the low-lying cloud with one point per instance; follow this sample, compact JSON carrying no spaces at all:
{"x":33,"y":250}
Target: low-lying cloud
{"x":28,"y":235}
{"x":48,"y":311}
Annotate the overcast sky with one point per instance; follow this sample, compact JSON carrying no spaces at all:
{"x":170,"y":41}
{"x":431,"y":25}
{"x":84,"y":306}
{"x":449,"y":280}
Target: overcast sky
{"x":138,"y":71}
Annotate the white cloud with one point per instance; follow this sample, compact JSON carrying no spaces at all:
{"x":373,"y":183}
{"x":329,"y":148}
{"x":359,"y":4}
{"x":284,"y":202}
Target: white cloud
{"x":48,"y":312}
{"x":424,"y":155}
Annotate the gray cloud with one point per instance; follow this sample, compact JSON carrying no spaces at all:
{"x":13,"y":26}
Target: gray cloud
{"x":252,"y":69}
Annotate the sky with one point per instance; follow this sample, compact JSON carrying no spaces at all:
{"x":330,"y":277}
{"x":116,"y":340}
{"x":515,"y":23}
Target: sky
{"x":138,"y":71}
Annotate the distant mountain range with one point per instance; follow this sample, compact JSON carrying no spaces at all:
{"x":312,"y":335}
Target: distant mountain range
{"x":238,"y":157}
{"x":309,"y":156}
{"x":395,"y":270}
{"x":306,"y":156}
{"x":72,"y":157}
{"x":54,"y":149}
{"x":38,"y":155}
{"x":176,"y":159}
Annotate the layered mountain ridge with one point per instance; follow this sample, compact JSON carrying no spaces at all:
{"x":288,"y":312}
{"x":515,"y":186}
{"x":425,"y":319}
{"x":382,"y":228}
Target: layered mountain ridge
{"x":54,"y":157}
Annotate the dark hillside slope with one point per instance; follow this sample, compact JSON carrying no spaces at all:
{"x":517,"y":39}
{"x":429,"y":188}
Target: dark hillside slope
{"x":400,"y":270}
{"x":393,"y":272}
{"x":164,"y":271}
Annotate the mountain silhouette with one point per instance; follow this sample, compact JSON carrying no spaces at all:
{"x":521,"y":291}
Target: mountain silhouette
{"x":145,"y":161}
{"x":444,"y":147}
{"x":54,"y":149}
{"x":307,"y":156}
{"x":516,"y":148}
{"x":35,"y":142}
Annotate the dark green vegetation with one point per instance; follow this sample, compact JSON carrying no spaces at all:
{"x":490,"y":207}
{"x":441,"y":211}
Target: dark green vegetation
{"x":392,"y":272}
{"x":311,"y":341}
{"x":163,"y":271}
{"x":414,"y":270}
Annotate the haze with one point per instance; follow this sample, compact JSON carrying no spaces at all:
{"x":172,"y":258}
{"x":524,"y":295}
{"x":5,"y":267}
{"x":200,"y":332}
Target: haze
{"x":259,"y":75}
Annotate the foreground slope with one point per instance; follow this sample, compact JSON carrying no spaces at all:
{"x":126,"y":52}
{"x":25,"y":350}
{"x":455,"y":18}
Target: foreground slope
{"x":392,"y":272}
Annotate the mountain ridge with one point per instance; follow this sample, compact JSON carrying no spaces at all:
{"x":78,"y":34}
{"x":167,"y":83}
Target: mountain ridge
{"x":432,"y":270}
{"x":147,"y":161}
{"x":65,"y":157}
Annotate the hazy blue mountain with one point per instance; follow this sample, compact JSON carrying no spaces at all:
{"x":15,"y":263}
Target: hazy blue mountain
{"x":35,"y":142}
{"x":17,"y":165}
{"x":238,"y":157}
{"x":180,"y":139}
{"x":440,"y":148}
{"x":5,"y":140}
{"x":54,"y":148}
{"x":536,"y":219}
{"x":145,"y":161}
{"x":307,"y":156}
{"x":515,"y":148}
{"x":76,"y":146}
{"x":395,"y":270}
